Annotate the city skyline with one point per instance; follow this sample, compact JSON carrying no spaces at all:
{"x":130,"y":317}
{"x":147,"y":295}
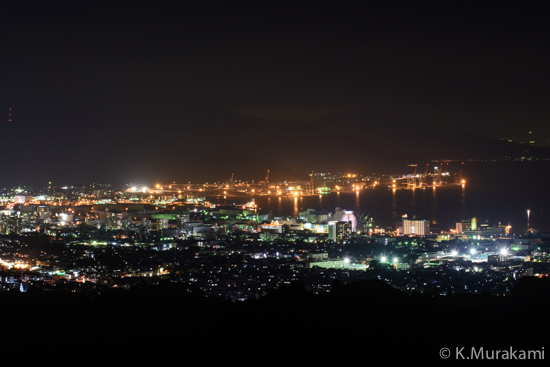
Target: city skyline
{"x":274,"y":176}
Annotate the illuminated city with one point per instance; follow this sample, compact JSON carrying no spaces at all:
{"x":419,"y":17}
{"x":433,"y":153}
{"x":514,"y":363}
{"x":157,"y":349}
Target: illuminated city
{"x":248,"y":181}
{"x":95,"y":236}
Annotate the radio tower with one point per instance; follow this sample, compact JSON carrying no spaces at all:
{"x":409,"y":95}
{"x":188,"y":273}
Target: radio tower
{"x":10,"y":119}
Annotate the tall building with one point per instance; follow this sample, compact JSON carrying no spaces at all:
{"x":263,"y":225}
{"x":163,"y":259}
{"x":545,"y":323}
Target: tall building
{"x":416,"y":227}
{"x":316,"y":216}
{"x":339,"y":231}
{"x":467,"y":225}
{"x":338,"y":213}
{"x":341,"y":215}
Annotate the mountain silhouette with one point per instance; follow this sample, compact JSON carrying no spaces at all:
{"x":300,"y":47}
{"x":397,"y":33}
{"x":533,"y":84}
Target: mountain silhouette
{"x":209,"y":144}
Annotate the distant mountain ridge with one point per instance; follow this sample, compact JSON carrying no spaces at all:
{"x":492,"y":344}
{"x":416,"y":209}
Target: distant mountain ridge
{"x":209,"y":144}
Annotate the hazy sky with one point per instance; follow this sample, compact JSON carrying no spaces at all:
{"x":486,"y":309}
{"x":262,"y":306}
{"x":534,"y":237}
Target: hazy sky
{"x":473,"y":66}
{"x":476,"y":64}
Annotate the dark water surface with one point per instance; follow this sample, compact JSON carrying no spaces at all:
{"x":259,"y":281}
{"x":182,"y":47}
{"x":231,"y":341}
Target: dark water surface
{"x":494,"y":193}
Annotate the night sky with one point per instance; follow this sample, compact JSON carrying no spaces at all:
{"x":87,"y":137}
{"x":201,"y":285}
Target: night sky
{"x":73,"y":73}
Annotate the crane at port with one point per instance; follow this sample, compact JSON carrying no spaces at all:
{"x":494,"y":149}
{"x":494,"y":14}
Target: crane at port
{"x":310,"y":187}
{"x":423,"y":179}
{"x":411,"y":179}
{"x":265,"y":183}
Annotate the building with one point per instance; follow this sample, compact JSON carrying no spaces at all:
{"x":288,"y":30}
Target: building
{"x":339,"y":231}
{"x":338,"y":213}
{"x":22,"y":199}
{"x":473,"y":229}
{"x":350,"y":217}
{"x":485,"y":231}
{"x":273,"y":227}
{"x":416,"y":227}
{"x":316,"y":216}
{"x":336,"y":264}
{"x":341,"y":215}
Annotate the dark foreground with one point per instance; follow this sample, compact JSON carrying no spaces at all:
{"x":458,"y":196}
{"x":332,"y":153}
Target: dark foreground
{"x":357,"y":321}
